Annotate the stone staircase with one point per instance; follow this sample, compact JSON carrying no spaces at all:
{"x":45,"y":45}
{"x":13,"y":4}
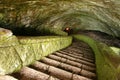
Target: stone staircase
{"x":73,"y":63}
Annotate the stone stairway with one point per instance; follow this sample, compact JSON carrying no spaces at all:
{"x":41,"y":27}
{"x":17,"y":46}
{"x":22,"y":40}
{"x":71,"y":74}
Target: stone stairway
{"x":73,"y":63}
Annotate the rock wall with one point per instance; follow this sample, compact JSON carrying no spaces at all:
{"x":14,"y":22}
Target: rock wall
{"x":34,"y":16}
{"x":107,"y":61}
{"x":16,"y":52}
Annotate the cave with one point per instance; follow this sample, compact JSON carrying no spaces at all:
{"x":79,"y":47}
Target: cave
{"x":60,"y":39}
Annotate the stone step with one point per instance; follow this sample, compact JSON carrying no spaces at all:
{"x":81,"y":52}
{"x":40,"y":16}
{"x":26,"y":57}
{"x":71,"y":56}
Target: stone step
{"x":27,"y":73}
{"x":77,"y":56}
{"x":59,"y":73}
{"x":73,"y":63}
{"x":74,"y":59}
{"x":82,"y":50}
{"x":68,"y":67}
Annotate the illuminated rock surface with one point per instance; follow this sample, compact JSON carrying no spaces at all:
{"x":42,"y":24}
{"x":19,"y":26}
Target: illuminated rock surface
{"x":36,"y":16}
{"x":51,"y":17}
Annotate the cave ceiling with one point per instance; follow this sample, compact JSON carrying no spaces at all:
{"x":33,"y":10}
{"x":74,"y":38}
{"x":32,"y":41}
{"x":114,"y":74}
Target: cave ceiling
{"x":100,"y":15}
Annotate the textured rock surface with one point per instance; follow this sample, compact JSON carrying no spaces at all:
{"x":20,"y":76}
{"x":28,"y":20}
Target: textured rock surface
{"x":15,"y":55}
{"x":107,"y":61}
{"x":25,"y":17}
{"x":31,"y":16}
{"x":6,"y":77}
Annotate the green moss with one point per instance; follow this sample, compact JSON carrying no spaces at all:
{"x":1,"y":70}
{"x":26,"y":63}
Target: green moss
{"x":52,"y":31}
{"x":10,"y":61}
{"x":37,"y":48}
{"x":26,"y":53}
{"x":58,"y":32}
{"x":27,"y":50}
{"x":9,"y":41}
{"x":1,"y":16}
{"x":106,"y":63}
{"x":116,"y":50}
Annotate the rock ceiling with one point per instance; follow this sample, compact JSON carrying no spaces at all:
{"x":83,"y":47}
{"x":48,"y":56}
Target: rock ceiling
{"x":101,"y":15}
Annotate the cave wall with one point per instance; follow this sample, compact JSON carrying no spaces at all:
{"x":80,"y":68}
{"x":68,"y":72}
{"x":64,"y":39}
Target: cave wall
{"x":17,"y":52}
{"x":36,"y":15}
{"x":107,"y":61}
